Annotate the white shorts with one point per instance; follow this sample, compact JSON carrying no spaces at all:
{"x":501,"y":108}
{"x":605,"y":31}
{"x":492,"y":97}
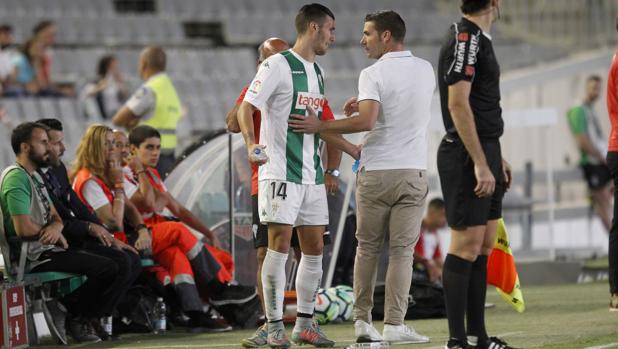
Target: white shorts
{"x":292,"y":203}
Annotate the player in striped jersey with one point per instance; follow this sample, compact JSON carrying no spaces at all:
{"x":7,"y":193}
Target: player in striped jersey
{"x":291,"y":181}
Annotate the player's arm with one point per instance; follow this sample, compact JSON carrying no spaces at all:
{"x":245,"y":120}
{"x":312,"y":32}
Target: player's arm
{"x":245,"y":122}
{"x":140,"y":103}
{"x":144,"y":198}
{"x":335,"y":141}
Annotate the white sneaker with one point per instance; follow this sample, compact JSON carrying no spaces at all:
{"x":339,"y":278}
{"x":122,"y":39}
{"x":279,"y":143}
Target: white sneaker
{"x":402,"y":334}
{"x":366,"y":333}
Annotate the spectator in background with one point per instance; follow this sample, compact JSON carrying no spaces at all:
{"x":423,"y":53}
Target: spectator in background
{"x":7,"y":56}
{"x":427,"y":255}
{"x":592,"y":145}
{"x":28,"y":70}
{"x":108,"y":91}
{"x":155,"y":104}
{"x":45,"y":33}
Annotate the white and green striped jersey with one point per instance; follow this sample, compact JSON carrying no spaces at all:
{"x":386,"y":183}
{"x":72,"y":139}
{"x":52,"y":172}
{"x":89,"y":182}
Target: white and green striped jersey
{"x":286,"y":84}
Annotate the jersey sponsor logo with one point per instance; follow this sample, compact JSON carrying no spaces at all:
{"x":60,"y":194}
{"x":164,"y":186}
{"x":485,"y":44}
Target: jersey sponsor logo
{"x":298,"y":72}
{"x":314,"y":100}
{"x":474,"y":48}
{"x":465,"y":57}
{"x":462,"y":37}
{"x":255,"y":87}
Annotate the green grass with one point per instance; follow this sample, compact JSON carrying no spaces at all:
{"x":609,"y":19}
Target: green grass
{"x":567,"y":316}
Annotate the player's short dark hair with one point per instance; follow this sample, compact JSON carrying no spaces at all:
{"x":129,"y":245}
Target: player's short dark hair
{"x":140,"y":134}
{"x":23,"y":134}
{"x":595,"y":78}
{"x":6,"y":28}
{"x":472,"y":6}
{"x":311,"y":13}
{"x":52,"y":124}
{"x":388,"y":20}
{"x":42,"y":25}
{"x":436,"y":204}
{"x":103,"y":66}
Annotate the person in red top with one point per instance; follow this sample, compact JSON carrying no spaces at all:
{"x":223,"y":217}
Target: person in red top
{"x":427,"y":254}
{"x":612,"y":163}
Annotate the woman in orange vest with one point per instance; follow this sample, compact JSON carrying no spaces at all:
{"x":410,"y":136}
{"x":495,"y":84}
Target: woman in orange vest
{"x":101,"y":184}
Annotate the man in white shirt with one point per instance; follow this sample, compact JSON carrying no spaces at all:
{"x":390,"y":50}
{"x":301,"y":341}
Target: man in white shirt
{"x":393,"y":106}
{"x":7,"y":56}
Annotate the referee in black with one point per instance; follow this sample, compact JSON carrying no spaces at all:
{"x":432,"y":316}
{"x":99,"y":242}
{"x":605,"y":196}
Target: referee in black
{"x":473,"y":175}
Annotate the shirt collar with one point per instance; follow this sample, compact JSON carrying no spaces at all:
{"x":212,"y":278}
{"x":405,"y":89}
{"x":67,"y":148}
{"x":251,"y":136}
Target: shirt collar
{"x":396,"y":54}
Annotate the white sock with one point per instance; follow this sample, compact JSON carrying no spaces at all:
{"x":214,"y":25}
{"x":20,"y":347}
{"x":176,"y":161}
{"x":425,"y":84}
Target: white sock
{"x":308,"y":279}
{"x":273,"y":284}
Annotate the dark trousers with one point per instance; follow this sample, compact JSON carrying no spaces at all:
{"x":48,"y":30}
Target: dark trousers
{"x":612,"y":163}
{"x":129,"y":268}
{"x":88,"y":300}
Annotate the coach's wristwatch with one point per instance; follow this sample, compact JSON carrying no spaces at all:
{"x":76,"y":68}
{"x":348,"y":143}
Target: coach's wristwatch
{"x":334,"y":172}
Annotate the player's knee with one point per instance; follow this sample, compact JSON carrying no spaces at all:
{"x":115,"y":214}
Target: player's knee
{"x":313,"y":248}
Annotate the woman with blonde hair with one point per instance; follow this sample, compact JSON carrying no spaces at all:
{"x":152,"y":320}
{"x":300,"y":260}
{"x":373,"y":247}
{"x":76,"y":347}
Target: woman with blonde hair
{"x":99,"y":181}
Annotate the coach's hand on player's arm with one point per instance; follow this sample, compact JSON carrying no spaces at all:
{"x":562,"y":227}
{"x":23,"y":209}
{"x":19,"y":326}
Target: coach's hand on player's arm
{"x":306,"y":124}
{"x":350,"y":106}
{"x":508,"y":174}
{"x":485,"y":181}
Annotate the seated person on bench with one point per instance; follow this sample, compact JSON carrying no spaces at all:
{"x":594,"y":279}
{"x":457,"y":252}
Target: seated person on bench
{"x":29,"y":215}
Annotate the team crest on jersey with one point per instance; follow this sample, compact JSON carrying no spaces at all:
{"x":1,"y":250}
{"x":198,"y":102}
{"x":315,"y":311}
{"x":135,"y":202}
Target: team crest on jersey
{"x":314,"y":100}
{"x":256,"y":86}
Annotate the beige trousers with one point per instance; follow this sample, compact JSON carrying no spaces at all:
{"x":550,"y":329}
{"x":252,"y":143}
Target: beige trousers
{"x":393,"y":202}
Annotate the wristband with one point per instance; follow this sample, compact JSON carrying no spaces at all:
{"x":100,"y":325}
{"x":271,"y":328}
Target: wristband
{"x":140,"y":227}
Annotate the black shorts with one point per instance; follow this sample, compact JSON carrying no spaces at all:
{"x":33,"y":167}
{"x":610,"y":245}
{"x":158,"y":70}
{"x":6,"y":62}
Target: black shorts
{"x":260,"y":231}
{"x":456,"y":169}
{"x":597,"y":176}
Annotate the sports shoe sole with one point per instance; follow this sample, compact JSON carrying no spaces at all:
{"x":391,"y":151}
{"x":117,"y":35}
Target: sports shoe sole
{"x":280,"y":346}
{"x":367,"y":339}
{"x":408,"y":342}
{"x":247,"y":343}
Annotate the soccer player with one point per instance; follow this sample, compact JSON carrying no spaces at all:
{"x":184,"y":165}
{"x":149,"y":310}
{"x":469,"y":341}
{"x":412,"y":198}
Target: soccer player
{"x":291,"y":190}
{"x":260,"y":231}
{"x":473,"y":174}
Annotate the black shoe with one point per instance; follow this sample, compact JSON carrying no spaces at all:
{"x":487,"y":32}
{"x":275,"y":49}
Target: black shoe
{"x":494,"y":343}
{"x":233,"y":294}
{"x":457,"y":344}
{"x":81,"y":330}
{"x":204,"y":323}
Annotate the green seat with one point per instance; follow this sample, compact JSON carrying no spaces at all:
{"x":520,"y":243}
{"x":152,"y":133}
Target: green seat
{"x":147,"y":262}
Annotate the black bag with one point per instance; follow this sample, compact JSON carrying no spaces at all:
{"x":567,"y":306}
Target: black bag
{"x":426,"y":301}
{"x":134,"y":313}
{"x":244,"y":315}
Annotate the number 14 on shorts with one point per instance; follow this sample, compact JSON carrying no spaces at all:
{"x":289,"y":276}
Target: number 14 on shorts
{"x":279,"y":190}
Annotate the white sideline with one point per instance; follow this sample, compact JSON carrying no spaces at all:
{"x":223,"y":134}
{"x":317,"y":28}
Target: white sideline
{"x":610,"y":345}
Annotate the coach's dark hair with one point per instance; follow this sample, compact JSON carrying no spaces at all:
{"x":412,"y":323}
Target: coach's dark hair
{"x":52,"y":124}
{"x":42,"y":25}
{"x":6,"y":28}
{"x":388,"y":20}
{"x":141,"y":133}
{"x":472,"y":6}
{"x":103,"y":66}
{"x":595,"y":78}
{"x":23,"y":134}
{"x":311,"y":13}
{"x":436,"y":204}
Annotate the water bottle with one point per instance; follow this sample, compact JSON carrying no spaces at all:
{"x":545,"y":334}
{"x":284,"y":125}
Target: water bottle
{"x":106,"y":324}
{"x":260,"y":154}
{"x":158,"y":318}
{"x":371,"y":345}
{"x":355,"y":166}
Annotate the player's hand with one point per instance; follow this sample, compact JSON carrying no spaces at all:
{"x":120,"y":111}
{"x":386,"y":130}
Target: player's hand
{"x":434,"y":272}
{"x":134,"y":163}
{"x":508,"y":174}
{"x":306,"y":124}
{"x":350,"y":106}
{"x":331,"y":183}
{"x":485,"y":181}
{"x":356,"y":151}
{"x":256,"y":154}
{"x":52,"y":235}
{"x":114,"y":173}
